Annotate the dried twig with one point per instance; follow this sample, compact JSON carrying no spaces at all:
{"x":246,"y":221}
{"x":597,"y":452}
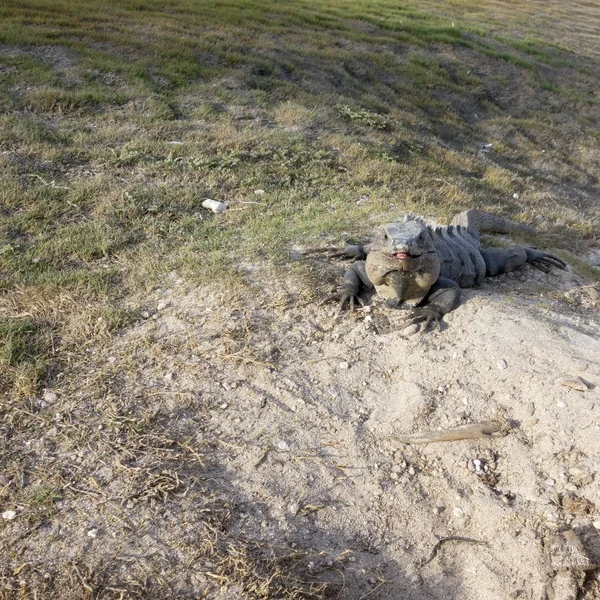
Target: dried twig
{"x":462,"y":432}
{"x":452,"y":538}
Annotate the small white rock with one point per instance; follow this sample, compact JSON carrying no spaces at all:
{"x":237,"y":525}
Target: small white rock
{"x":9,"y":515}
{"x":458,"y":512}
{"x":92,"y":533}
{"x":502,"y":364}
{"x":550,"y":482}
{"x":214,"y":205}
{"x":145,"y":314}
{"x":283,"y":445}
{"x":50,"y":397}
{"x":411,"y":329}
{"x":561,"y":404}
{"x":162,"y":305}
{"x":596,"y":524}
{"x":575,"y":383}
{"x":224,"y":406}
{"x":169,"y":376}
{"x":293,"y":508}
{"x":516,"y":196}
{"x":344,"y":365}
{"x":259,"y":192}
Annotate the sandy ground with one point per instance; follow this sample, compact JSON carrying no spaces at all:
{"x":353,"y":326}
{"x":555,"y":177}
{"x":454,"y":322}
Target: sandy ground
{"x":311,"y":439}
{"x":296,"y":414}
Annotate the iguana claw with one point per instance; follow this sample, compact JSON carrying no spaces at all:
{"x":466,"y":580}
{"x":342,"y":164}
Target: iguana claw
{"x":427,"y":314}
{"x":543,"y":260}
{"x":343,"y":296}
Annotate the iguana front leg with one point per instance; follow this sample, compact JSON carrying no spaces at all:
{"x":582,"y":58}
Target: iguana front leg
{"x":443,"y":296}
{"x":354,"y":282}
{"x":356,"y":252}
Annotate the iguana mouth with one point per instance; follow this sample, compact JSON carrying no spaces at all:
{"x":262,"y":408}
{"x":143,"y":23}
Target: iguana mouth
{"x":403,"y":255}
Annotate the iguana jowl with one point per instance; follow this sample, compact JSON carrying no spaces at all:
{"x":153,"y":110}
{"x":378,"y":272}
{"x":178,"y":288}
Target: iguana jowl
{"x":415,"y":265}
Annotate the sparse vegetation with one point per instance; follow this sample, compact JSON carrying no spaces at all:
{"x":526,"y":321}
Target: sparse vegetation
{"x":310,"y":119}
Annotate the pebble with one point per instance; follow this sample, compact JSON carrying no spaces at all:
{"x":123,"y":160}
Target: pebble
{"x":344,"y":365}
{"x":411,"y":470}
{"x":458,"y":512}
{"x":550,"y":482}
{"x":593,"y":294}
{"x":169,"y":376}
{"x":92,"y":533}
{"x":575,"y":383}
{"x":530,"y":408}
{"x":9,"y":515}
{"x":411,"y":329}
{"x":259,"y":192}
{"x":283,"y":445}
{"x":596,"y":524}
{"x":293,"y":508}
{"x":561,"y":404}
{"x":146,"y":314}
{"x":224,"y":406}
{"x":162,"y":305}
{"x":50,"y":397}
{"x":502,"y":364}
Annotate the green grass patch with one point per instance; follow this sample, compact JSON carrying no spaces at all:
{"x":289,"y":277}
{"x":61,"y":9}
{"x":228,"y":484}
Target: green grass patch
{"x":22,"y":341}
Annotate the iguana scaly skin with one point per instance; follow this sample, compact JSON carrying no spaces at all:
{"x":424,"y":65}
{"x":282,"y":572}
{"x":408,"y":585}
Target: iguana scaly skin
{"x":412,"y":264}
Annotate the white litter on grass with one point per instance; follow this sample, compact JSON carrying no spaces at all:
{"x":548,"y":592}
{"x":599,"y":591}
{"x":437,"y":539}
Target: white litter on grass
{"x":214,"y":205}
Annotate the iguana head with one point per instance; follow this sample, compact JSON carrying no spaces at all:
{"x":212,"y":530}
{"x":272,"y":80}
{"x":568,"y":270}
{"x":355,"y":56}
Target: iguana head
{"x":403,"y":262}
{"x":403,"y":245}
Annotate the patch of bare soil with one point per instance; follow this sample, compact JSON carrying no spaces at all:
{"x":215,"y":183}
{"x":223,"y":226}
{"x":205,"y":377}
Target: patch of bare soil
{"x":245,"y":448}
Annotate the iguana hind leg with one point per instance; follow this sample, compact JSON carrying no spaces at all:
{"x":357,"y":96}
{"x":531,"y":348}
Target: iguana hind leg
{"x":501,"y":260}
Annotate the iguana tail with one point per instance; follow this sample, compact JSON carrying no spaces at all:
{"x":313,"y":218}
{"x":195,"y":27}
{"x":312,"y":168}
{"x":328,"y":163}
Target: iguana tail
{"x":478,"y":221}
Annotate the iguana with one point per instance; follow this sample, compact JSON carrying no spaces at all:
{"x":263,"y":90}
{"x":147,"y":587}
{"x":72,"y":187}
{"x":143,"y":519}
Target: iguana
{"x":412,"y":264}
